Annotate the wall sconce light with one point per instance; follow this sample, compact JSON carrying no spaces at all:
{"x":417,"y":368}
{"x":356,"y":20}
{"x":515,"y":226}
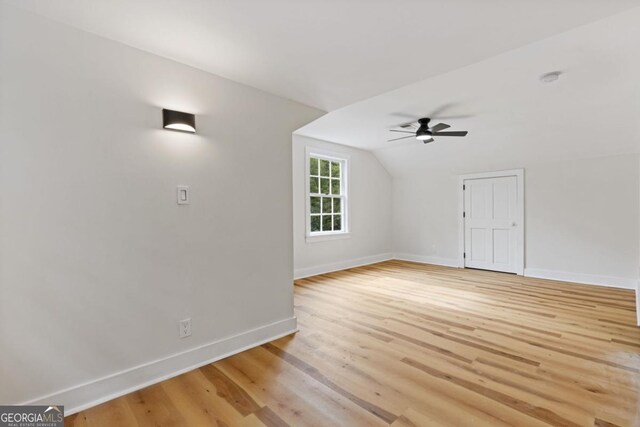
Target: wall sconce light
{"x":177,"y":120}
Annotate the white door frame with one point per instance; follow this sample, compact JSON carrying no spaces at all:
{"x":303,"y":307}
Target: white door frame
{"x":519,"y":174}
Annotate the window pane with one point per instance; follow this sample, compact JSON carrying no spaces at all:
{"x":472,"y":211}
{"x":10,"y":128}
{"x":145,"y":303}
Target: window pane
{"x":324,"y":185}
{"x":326,"y":223}
{"x":326,"y":205}
{"x":335,"y":186}
{"x":324,"y":167}
{"x":336,"y":205}
{"x":313,"y":184}
{"x":315,"y":222}
{"x":315,"y":205}
{"x":327,"y":202}
{"x":335,"y":170}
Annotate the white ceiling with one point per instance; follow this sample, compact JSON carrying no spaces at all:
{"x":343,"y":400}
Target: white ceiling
{"x":326,"y":53}
{"x":592,"y":110}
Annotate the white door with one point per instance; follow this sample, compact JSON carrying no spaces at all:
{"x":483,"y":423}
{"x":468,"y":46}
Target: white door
{"x":490,"y":227}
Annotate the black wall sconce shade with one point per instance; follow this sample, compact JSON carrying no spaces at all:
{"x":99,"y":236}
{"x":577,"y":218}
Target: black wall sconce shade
{"x":177,"y":120}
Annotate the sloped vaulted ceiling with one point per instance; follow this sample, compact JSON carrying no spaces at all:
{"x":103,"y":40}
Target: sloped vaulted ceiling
{"x":514,"y":119}
{"x":373,"y":63}
{"x":326,"y":53}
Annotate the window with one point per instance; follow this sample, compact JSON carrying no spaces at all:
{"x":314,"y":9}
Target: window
{"x":327,"y":198}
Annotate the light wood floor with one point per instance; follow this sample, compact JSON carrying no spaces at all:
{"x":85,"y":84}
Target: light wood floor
{"x":407,"y":344}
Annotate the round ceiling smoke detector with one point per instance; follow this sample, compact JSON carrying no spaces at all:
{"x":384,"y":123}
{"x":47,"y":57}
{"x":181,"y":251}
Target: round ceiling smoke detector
{"x":550,"y":77}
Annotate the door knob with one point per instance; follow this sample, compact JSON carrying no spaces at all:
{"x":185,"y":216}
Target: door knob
{"x":513,"y":224}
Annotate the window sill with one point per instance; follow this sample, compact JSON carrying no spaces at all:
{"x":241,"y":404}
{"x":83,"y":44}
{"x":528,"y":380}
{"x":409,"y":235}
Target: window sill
{"x":327,"y":237}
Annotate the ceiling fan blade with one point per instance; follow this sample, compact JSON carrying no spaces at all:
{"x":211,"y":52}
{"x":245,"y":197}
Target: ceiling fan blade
{"x":452,"y":133}
{"x":455,"y":117}
{"x":441,"y":109}
{"x":404,"y":137}
{"x":401,"y":131}
{"x":439,"y":127}
{"x":426,"y":141}
{"x":410,"y":119}
{"x":439,"y":113}
{"x":407,"y":125}
{"x":406,"y":116}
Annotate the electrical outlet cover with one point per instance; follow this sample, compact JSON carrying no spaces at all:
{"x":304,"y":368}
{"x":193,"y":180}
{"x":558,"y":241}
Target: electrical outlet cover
{"x":185,"y":328}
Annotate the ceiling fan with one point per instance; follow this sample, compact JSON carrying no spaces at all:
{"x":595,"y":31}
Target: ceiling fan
{"x":422,"y":132}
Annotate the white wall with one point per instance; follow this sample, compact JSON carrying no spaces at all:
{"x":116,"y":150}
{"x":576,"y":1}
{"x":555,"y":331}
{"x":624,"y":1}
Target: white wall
{"x":425,"y":217}
{"x":369,"y":211}
{"x":581,"y":219}
{"x":98,"y":263}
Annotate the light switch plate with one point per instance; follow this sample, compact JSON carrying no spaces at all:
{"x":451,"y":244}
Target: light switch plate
{"x":184,"y":194}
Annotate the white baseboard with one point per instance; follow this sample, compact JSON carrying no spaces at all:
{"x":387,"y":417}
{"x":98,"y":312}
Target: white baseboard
{"x":638,"y":302}
{"x":447,"y":262}
{"x":84,"y":396}
{"x":587,"y":279}
{"x":301,"y":273}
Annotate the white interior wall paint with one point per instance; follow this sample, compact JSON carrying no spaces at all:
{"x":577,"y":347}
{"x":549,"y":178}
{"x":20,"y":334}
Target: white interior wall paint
{"x":369,"y":199}
{"x":580,"y":216}
{"x":98,"y":262}
{"x":581,"y":219}
{"x":425,"y":218}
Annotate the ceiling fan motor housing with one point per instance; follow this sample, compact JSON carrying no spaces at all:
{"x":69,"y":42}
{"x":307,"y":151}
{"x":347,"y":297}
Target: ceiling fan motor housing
{"x":423,"y":133}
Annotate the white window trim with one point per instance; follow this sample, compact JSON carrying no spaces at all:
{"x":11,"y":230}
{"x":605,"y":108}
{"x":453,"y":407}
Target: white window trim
{"x":346,"y":207}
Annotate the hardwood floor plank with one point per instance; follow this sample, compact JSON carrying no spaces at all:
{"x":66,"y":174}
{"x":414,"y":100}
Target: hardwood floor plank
{"x":524,"y":407}
{"x":485,"y":348}
{"x":412,"y":418}
{"x":294,"y":396}
{"x":199,"y":400}
{"x":236,"y":396}
{"x":408,"y":344}
{"x":399,"y":381}
{"x":152,"y":406}
{"x":270,"y":418}
{"x":114,"y":413}
{"x":318,"y":376}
